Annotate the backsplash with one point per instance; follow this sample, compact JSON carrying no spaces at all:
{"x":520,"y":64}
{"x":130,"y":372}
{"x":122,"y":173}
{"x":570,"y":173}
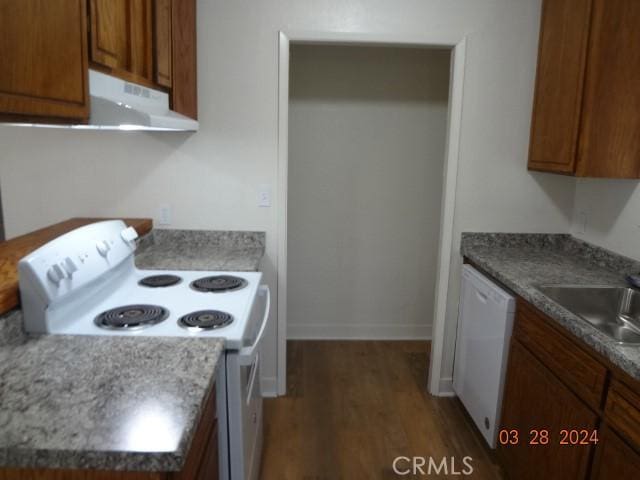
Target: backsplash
{"x":235,"y":239}
{"x":11,"y":331}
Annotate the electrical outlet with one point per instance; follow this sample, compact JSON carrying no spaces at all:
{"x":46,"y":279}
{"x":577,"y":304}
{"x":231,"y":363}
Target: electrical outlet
{"x":582,"y":222}
{"x":165,"y":215}
{"x":264,"y":196}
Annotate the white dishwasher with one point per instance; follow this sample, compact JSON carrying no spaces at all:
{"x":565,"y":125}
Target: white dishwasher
{"x":485,"y":322}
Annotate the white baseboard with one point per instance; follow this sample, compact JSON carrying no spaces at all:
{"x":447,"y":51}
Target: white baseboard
{"x":269,"y":387}
{"x":359,"y":332}
{"x":446,"y":387}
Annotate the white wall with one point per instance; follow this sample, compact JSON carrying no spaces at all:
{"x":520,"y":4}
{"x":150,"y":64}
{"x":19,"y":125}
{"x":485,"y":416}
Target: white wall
{"x":367,"y":129}
{"x":211,"y":178}
{"x":607,"y":213}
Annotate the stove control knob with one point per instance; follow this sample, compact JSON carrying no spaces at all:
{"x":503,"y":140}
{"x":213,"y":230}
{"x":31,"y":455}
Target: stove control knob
{"x":69,"y":266}
{"x":129,"y":234}
{"x":103,"y":248}
{"x":56,"y":274}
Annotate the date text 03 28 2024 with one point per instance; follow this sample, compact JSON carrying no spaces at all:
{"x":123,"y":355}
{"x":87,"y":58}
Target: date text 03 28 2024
{"x":570,"y":437}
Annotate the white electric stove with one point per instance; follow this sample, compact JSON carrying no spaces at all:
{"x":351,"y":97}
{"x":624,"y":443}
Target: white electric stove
{"x":85,"y":283}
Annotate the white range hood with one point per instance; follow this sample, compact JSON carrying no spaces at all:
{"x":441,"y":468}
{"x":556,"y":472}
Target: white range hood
{"x":120,"y":105}
{"x":117,"y":104}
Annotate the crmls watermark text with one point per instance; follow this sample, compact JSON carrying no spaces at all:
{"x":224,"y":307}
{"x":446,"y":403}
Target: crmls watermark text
{"x":432,"y":466}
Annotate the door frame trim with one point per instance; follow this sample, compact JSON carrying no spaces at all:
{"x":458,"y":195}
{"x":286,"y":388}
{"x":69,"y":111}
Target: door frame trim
{"x":457,"y":46}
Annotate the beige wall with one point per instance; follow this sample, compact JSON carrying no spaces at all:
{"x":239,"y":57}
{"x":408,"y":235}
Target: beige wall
{"x":367,"y":130}
{"x":211,"y":179}
{"x":609,"y":209}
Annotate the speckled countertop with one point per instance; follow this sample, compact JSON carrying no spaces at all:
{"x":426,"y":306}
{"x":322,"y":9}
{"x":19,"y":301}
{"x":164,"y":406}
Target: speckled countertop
{"x":115,"y":403}
{"x":112,"y":403}
{"x":522,"y":261}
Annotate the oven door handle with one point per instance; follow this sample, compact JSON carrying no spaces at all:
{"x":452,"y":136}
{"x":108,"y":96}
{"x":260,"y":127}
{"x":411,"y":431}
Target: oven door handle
{"x":246,"y":353}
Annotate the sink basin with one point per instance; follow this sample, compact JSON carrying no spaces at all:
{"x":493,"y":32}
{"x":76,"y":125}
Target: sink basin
{"x":615,"y":311}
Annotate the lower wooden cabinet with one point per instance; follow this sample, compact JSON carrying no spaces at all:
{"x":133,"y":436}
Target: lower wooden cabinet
{"x":209,"y":466}
{"x":537,"y":408}
{"x":622,"y":411}
{"x":567,"y":412}
{"x":202,"y":461}
{"x":615,"y":459}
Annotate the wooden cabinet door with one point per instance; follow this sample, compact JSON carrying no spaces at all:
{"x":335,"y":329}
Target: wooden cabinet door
{"x":202,"y":460}
{"x":184,"y":94}
{"x":209,"y":466}
{"x":615,"y":460}
{"x":43,"y":59}
{"x":534,"y":399}
{"x":564,"y":33}
{"x":610,"y":139}
{"x":163,"y":42}
{"x":121,"y":38}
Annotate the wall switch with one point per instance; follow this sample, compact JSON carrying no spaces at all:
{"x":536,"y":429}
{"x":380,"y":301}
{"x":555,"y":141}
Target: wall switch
{"x":165,"y":215}
{"x":264,"y":196}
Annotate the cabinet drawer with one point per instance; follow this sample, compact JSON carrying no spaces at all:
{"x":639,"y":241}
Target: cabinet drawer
{"x":623,"y":411}
{"x":576,"y":368}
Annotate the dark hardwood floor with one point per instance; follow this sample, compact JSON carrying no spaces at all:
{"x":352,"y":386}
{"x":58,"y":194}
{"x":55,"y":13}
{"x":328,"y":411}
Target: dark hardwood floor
{"x":352,"y":407}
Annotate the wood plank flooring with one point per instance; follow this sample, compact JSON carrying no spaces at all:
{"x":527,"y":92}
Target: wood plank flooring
{"x":352,"y":407}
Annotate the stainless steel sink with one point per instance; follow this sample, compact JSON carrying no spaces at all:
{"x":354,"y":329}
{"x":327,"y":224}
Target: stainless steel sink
{"x":615,"y":311}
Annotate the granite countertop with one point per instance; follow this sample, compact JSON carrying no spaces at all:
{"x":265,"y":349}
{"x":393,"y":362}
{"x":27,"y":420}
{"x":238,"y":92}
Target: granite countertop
{"x":201,"y":250}
{"x":522,"y":261}
{"x":115,"y":402}
{"x":112,"y":403}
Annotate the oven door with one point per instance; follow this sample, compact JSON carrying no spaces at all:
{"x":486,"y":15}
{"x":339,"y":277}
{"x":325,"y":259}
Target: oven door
{"x":245,"y":399}
{"x":252,"y":420}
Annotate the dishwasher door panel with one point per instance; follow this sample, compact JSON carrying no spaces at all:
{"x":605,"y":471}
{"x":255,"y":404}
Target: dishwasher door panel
{"x":485,"y":322}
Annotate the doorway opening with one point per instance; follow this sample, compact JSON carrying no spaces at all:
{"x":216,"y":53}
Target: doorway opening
{"x":367,"y":131}
{"x":365,"y":223}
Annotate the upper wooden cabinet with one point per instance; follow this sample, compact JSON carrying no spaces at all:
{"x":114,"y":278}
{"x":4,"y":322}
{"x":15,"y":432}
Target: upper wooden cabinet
{"x":184,"y":74}
{"x":163,"y":42}
{"x":610,"y":144}
{"x":152,"y":42}
{"x":48,"y":46}
{"x":558,"y":98}
{"x":43,"y":60}
{"x":121,"y":38}
{"x":587,"y":103}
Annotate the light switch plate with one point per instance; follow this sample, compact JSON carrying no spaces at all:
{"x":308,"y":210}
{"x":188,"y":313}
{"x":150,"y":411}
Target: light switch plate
{"x":164,"y":217}
{"x":264,"y":196}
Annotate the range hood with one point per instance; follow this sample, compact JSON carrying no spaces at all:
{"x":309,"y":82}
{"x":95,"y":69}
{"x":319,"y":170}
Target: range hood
{"x":120,"y":105}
